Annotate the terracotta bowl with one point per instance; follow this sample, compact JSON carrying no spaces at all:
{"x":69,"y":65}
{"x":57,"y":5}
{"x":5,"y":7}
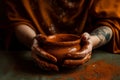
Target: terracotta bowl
{"x":61,"y":44}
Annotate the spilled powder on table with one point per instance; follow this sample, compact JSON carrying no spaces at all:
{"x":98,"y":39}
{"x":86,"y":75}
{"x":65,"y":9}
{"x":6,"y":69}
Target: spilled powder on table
{"x":98,"y":70}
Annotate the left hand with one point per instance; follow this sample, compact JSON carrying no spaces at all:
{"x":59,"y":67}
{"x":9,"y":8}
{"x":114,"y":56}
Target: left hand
{"x":82,"y":56}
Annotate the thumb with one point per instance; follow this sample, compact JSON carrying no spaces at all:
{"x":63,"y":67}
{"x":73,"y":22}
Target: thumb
{"x":85,"y":36}
{"x":40,"y":37}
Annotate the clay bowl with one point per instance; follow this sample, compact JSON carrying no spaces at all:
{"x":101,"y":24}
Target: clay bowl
{"x":61,"y":44}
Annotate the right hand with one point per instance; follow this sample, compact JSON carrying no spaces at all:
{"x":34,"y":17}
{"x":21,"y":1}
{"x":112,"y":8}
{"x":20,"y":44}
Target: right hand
{"x":83,"y":55}
{"x":44,"y":60}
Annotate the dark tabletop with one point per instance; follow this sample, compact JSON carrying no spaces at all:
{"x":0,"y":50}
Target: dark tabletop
{"x":18,"y":65}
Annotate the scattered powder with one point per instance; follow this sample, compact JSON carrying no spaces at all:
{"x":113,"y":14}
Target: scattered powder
{"x":99,"y":70}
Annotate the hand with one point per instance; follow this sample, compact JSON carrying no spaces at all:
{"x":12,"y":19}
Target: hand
{"x":82,"y":56}
{"x":43,"y":59}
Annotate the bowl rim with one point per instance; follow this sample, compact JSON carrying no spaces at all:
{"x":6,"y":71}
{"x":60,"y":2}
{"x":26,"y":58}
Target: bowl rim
{"x":67,"y":43}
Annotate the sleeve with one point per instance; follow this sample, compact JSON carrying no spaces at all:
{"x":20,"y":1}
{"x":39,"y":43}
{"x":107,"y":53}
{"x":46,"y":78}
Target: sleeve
{"x":16,"y":13}
{"x":107,"y":12}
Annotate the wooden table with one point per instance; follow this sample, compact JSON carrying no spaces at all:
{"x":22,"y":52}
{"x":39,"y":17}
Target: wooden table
{"x":18,"y":65}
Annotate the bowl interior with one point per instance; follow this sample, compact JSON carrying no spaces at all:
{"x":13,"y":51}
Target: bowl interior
{"x":63,"y":38}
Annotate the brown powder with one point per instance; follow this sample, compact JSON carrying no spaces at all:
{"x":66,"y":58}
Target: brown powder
{"x":99,"y":70}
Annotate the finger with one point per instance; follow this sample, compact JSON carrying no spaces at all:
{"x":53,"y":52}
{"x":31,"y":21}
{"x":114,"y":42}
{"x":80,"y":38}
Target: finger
{"x":77,"y":62}
{"x":76,"y":55}
{"x":39,"y":51}
{"x":43,"y":64}
{"x":80,"y":54}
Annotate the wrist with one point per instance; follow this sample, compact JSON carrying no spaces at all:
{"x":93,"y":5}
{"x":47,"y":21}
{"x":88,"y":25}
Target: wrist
{"x":34,"y":41}
{"x":94,"y":41}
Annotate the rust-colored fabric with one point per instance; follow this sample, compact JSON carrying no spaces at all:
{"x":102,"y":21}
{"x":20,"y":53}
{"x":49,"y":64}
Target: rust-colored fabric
{"x":67,"y":16}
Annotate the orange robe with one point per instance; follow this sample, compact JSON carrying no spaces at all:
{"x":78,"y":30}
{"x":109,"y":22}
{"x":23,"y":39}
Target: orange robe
{"x":65,"y":16}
